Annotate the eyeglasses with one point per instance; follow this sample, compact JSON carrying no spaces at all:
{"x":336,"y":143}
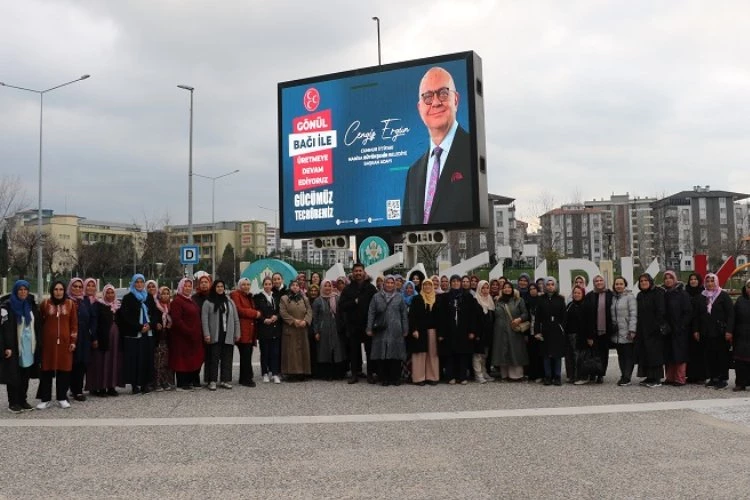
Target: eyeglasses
{"x":442,"y":95}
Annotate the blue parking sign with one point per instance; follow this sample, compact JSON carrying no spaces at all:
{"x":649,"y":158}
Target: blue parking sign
{"x":189,"y":254}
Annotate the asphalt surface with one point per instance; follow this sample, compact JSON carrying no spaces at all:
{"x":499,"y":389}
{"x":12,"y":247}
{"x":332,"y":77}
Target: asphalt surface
{"x":332,"y":440}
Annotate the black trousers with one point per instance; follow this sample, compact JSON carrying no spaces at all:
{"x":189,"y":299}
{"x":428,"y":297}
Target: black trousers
{"x":389,"y":370}
{"x":219,"y":353}
{"x":570,"y":357}
{"x":626,"y":359}
{"x":188,"y":379}
{"x":246,"y":363}
{"x":535,"y":369}
{"x":61,"y":385}
{"x":457,"y":366}
{"x":18,"y":389}
{"x":716,"y":352}
{"x":270,"y":356}
{"x":356,"y":338}
{"x":602,"y":350}
{"x":77,"y":376}
{"x":742,"y":373}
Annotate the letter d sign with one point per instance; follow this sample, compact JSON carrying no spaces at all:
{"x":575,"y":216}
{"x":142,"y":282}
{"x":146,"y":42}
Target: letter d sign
{"x":189,"y":254}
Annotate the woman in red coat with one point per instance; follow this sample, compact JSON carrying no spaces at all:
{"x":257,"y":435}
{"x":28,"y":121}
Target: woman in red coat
{"x":186,"y":338}
{"x":248,"y":314}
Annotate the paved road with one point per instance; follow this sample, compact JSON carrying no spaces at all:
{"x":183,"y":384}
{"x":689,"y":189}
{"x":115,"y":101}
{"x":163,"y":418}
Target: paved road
{"x":332,"y":440}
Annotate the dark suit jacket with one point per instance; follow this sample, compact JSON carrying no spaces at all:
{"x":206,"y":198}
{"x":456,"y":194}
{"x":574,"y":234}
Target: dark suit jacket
{"x":453,"y":196}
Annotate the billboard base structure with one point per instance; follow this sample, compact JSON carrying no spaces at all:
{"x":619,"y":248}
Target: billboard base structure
{"x":464,"y":267}
{"x":389,"y":262}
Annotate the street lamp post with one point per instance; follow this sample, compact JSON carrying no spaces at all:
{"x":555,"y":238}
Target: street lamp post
{"x":277,"y":232}
{"x":40,"y":246}
{"x":377,"y":20}
{"x":213,"y":220}
{"x":190,"y":175}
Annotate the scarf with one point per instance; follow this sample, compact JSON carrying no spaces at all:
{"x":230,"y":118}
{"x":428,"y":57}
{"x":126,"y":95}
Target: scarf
{"x":409,"y":298}
{"x":428,"y":295}
{"x":21,"y":308}
{"x":166,"y":319}
{"x":181,"y":287}
{"x":484,"y":300}
{"x":330,"y":297}
{"x":694,"y":290}
{"x":52,"y":299}
{"x":115,"y":304}
{"x":296,"y":297}
{"x":76,"y":296}
{"x":156,"y":293}
{"x":92,"y":298}
{"x":711,"y":295}
{"x":219,"y":300}
{"x":141,"y":296}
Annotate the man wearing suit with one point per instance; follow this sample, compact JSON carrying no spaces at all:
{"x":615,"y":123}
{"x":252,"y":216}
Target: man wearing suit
{"x":439,"y":185}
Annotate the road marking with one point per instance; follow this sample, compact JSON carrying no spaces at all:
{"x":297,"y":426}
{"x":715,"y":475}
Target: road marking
{"x":378,"y":418}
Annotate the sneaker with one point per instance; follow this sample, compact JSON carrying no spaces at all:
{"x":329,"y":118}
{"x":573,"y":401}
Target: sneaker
{"x":556,"y":381}
{"x":185,"y":388}
{"x":452,"y":381}
{"x":225,"y":385}
{"x":651,"y":385}
{"x":721,"y":384}
{"x":464,"y":382}
{"x":212,"y":386}
{"x":15,"y":409}
{"x":26,"y":406}
{"x":44,"y":405}
{"x":276,"y":379}
{"x":581,"y":382}
{"x":712,"y":383}
{"x":623,"y":382}
{"x":64,"y":404}
{"x":79,"y":397}
{"x":644,"y":382}
{"x":266,"y":378}
{"x":481,"y":380}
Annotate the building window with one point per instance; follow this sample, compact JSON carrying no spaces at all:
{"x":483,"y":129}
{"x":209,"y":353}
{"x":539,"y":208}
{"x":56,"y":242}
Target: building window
{"x":483,"y":241}
{"x":724,"y":235}
{"x":685,"y":217}
{"x":702,"y":210}
{"x":704,"y":237}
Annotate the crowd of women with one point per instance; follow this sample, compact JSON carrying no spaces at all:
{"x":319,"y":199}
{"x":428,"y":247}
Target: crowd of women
{"x":451,"y":329}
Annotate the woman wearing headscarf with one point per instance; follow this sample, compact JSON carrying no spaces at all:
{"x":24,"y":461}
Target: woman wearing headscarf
{"x":136,"y":329}
{"x":484,"y":331}
{"x":409,"y":291}
{"x":422,"y":342}
{"x":417,"y":277}
{"x":598,"y":304}
{"x":388,"y":324}
{"x":535,"y":367}
{"x":330,"y":343}
{"x":202,"y":288}
{"x":269,"y":332}
{"x":741,"y":339}
{"x":152,"y":288}
{"x":296,"y":315}
{"x":313,"y":292}
{"x":678,"y":315}
{"x":83,"y":293}
{"x":59,"y":316}
{"x":508,"y":346}
{"x":457,"y":314}
{"x":435,"y":282}
{"x":163,"y":375}
{"x":221,"y":329}
{"x":577,"y":333}
{"x":625,"y":318}
{"x":103,"y":374}
{"x":248,"y":315}
{"x":713,"y":326}
{"x":548,"y":328}
{"x":696,"y":366}
{"x":20,"y":329}
{"x":186,"y":347}
{"x":649,"y":344}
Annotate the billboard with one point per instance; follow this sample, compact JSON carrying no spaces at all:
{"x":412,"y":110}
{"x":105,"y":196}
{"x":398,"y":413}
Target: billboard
{"x":396,"y":146}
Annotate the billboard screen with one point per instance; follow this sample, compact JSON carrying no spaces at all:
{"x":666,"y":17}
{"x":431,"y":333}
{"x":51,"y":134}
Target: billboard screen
{"x":396,"y":146}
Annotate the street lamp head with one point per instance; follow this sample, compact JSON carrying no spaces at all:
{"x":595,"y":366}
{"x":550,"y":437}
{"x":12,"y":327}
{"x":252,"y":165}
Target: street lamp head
{"x":83,"y":77}
{"x":186,"y":87}
{"x":375,"y":18}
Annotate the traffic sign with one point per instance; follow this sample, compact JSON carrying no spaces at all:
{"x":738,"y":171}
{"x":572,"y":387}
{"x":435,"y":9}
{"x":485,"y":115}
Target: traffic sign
{"x":189,"y":254}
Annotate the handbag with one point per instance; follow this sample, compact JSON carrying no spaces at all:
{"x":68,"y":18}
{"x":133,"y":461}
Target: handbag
{"x":379,"y":322}
{"x":588,"y":363}
{"x":522,"y":327}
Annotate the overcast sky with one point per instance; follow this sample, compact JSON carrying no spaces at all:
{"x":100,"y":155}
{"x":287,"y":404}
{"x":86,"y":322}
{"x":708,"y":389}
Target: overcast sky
{"x":582,"y":98}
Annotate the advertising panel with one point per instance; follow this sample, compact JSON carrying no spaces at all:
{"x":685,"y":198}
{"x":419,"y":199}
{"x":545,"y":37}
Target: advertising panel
{"x":396,"y":146}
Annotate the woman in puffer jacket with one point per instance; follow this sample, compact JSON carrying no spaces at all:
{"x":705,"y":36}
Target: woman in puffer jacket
{"x":625,"y":318}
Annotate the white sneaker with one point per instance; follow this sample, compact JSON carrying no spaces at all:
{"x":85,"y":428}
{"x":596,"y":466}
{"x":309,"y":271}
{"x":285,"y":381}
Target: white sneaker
{"x":44,"y":405}
{"x":64,"y":404}
{"x":266,"y":378}
{"x":225,"y":385}
{"x":212,"y":386}
{"x":480,"y":379}
{"x":276,"y":379}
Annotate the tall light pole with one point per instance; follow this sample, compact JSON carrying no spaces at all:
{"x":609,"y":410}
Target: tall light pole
{"x":277,"y":233}
{"x":190,"y":176}
{"x":40,"y":246}
{"x":213,"y":219}
{"x":377,"y":20}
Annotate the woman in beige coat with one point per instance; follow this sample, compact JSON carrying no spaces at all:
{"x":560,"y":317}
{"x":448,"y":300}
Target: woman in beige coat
{"x":296,"y":315}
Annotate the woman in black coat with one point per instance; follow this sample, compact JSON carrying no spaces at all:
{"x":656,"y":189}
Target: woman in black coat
{"x":268,"y":327}
{"x":713,"y":325}
{"x":741,"y":339}
{"x":649,"y":344}
{"x":422,"y":339}
{"x":485,"y":328}
{"x":548,"y":328}
{"x":575,"y":331}
{"x":696,"y":368}
{"x":678,"y":314}
{"x":136,"y":322}
{"x":457,"y":313}
{"x":19,"y":340}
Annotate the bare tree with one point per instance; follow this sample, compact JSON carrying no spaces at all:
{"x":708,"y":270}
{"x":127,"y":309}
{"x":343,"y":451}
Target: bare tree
{"x":428,"y":255}
{"x":12,"y":196}
{"x":24,"y":243}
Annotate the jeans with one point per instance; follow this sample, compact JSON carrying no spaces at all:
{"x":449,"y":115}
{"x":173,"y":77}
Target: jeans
{"x":552,"y":367}
{"x":270,"y":356}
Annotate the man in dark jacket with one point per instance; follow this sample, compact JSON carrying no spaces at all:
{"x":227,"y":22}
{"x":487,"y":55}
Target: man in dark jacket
{"x":354,"y":304}
{"x":598,"y":313}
